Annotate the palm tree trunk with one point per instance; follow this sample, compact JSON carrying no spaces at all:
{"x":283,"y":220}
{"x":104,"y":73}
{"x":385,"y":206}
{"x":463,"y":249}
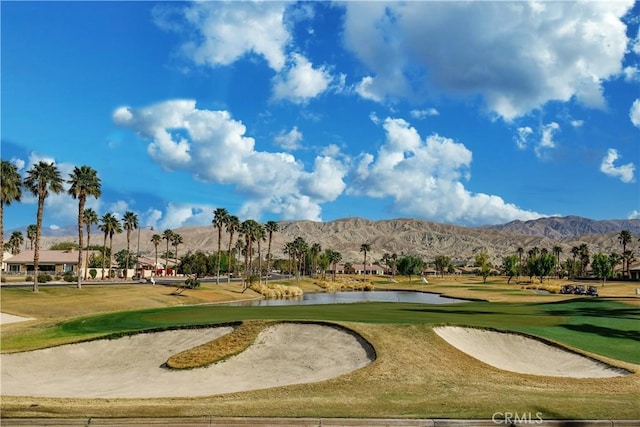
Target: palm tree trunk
{"x":104,"y":254}
{"x":80,"y":211}
{"x":229,"y":264}
{"x":36,"y":251}
{"x":88,"y":240}
{"x":110,"y":254}
{"x":126,"y":270}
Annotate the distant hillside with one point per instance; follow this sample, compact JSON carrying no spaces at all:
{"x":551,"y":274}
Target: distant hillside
{"x":403,"y":236}
{"x":569,"y":226}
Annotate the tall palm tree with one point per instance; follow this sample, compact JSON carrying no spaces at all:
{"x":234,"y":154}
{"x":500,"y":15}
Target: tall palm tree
{"x":84,"y":183}
{"x":220,"y":216}
{"x":31,"y":234}
{"x":575,"y":251}
{"x":41,"y":179}
{"x":624,"y":238}
{"x":167,"y":235}
{"x":584,"y":257}
{"x":130,"y":223}
{"x":365,"y":247}
{"x":11,"y":184}
{"x":89,"y":218}
{"x":334,"y":258}
{"x":176,"y":240}
{"x":249,"y":229}
{"x":110,"y":225}
{"x":270,"y":227}
{"x":557,"y":250}
{"x":232,"y":226}
{"x":156,"y":239}
{"x":315,"y":250}
{"x":260,"y":236}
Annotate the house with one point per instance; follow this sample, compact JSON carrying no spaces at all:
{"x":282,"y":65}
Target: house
{"x":371,"y":269}
{"x":634,"y":271}
{"x":51,"y":262}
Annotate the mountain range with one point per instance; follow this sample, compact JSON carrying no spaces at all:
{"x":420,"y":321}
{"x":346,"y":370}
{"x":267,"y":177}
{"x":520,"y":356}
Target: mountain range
{"x":401,"y":236}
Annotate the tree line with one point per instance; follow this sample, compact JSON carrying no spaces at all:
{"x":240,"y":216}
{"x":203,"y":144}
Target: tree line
{"x":244,"y":254}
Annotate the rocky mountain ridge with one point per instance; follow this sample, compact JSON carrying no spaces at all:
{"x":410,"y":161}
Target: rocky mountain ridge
{"x":404,"y":236}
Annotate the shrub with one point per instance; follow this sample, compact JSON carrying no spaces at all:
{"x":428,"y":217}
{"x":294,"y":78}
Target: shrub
{"x":192,"y":283}
{"x":70,"y":278}
{"x":93,"y":273}
{"x":28,"y":279}
{"x":276,"y":291}
{"x":44,"y":278}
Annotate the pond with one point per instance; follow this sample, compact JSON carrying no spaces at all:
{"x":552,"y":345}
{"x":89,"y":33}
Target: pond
{"x":353,"y":297}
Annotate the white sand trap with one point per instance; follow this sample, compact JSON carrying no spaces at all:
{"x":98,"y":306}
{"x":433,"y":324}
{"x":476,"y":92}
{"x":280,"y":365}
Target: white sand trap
{"x":10,"y":318}
{"x":517,"y":353}
{"x":283,"y":354}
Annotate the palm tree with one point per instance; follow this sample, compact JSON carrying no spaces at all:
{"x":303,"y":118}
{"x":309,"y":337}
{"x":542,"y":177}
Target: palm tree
{"x":41,"y":179}
{"x":156,"y":239}
{"x":11,"y":184}
{"x":365,"y":247}
{"x":167,"y":235}
{"x":624,"y":238}
{"x":176,"y":240}
{"x":557,"y":250}
{"x":15,"y":241}
{"x":220,"y":216}
{"x":315,"y":250}
{"x":248,"y":229}
{"x":261,"y":236}
{"x":584,"y":257}
{"x":271,"y":227}
{"x":334,"y":258}
{"x":110,"y":226}
{"x":575,"y":251}
{"x":628,"y":257}
{"x":31,"y":234}
{"x":89,"y":218}
{"x":84,"y":182}
{"x":130,"y":223}
{"x":232,"y":225}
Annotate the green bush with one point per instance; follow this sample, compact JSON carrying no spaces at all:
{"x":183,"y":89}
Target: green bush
{"x":44,"y":278}
{"x":28,"y":279}
{"x":70,"y":278}
{"x":93,"y":273}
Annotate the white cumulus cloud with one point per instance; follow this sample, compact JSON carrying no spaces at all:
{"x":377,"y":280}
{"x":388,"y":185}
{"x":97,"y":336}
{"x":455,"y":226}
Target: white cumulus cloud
{"x":222,"y":32}
{"x":213,"y":147}
{"x":300,"y":81}
{"x":624,"y":172}
{"x":634,"y":113}
{"x":546,"y":141}
{"x":289,"y":140}
{"x":417,"y":47}
{"x":424,"y":178}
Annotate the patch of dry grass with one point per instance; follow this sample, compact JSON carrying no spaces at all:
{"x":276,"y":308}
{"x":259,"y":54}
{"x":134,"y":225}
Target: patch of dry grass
{"x":275,"y":290}
{"x":219,"y":349}
{"x":345,"y":284}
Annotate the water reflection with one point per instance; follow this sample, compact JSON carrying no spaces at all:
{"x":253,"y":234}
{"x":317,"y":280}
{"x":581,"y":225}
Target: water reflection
{"x":353,"y":297}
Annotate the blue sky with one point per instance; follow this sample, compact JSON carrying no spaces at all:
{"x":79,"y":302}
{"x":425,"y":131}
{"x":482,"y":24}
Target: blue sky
{"x":468,"y":113}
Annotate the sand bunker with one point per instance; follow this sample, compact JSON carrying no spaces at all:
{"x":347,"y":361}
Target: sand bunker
{"x":283,"y":354}
{"x":10,"y":318}
{"x":517,"y":353}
